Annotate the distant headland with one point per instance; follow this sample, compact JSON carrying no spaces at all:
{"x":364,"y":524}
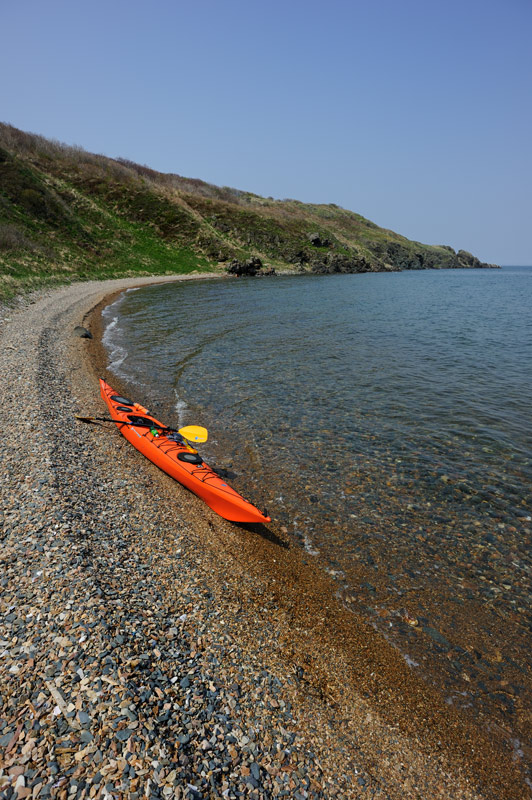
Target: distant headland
{"x":66,"y":214}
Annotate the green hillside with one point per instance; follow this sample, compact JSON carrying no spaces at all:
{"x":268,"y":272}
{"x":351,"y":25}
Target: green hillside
{"x":66,"y":214}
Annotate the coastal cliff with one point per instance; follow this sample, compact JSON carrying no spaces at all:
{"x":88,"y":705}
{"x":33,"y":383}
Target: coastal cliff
{"x":66,"y":214}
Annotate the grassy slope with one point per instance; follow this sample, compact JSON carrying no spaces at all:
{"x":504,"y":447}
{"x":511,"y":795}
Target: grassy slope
{"x":67,"y":215}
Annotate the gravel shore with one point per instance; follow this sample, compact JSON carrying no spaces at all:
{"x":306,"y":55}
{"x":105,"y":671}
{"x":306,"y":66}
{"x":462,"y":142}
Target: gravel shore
{"x":150,"y":649}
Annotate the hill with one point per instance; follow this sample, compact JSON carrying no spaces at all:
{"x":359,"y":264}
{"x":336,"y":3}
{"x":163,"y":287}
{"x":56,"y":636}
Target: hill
{"x":66,"y":214}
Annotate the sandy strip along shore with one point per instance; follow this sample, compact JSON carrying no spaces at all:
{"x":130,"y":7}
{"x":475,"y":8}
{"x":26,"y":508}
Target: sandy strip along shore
{"x":151,"y":649}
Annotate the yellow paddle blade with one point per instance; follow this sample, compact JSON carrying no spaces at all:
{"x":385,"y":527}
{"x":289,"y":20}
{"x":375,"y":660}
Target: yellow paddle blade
{"x":194,"y":433}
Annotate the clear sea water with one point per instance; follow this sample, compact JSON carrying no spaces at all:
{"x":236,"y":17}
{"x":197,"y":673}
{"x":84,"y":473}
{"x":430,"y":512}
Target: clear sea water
{"x":384,"y":420}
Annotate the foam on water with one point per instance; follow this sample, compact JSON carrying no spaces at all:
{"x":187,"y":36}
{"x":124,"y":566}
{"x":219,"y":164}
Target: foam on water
{"x":112,"y":336}
{"x":117,"y":353}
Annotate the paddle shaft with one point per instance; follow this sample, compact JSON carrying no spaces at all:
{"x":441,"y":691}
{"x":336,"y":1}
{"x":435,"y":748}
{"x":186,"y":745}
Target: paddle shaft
{"x":124,"y":422}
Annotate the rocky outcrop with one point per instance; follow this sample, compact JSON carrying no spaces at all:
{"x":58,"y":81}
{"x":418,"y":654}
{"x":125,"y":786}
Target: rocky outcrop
{"x":387,"y":257}
{"x":250,"y":267}
{"x":340,"y":263}
{"x":468,"y":260}
{"x":318,"y":241}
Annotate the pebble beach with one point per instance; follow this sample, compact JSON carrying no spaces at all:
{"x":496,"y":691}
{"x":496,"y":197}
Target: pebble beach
{"x":150,"y":649}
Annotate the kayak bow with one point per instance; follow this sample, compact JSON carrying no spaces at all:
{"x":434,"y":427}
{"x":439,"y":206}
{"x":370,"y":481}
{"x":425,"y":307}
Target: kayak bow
{"x":165,"y":450}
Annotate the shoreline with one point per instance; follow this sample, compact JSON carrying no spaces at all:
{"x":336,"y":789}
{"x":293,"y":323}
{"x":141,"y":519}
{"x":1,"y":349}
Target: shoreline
{"x":353,"y":702}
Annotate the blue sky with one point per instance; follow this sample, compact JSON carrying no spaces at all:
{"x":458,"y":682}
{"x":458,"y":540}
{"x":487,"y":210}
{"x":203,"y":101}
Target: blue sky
{"x":417,"y":114}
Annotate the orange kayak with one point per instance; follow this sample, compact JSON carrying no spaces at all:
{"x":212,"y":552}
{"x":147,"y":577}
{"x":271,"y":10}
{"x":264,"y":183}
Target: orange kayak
{"x":174,"y":457}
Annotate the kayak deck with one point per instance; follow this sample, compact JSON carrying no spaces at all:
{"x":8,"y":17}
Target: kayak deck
{"x":176,"y":460}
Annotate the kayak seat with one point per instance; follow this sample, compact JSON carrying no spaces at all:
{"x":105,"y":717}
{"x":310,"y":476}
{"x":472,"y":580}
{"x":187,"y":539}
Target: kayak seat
{"x":190,"y":458}
{"x":122,"y":400}
{"x":143,"y":421}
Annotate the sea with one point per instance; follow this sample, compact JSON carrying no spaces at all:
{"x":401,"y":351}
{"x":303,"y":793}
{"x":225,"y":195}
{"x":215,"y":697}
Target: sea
{"x":384,"y":422}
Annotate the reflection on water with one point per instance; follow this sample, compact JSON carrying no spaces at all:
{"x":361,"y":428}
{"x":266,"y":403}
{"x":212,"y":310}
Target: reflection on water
{"x":384,"y":420}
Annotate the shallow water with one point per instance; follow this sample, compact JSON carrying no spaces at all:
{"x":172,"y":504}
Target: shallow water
{"x":384,"y":420}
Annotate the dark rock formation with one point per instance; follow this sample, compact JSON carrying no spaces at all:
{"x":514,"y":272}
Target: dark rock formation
{"x":251,"y":266}
{"x":317,"y":241}
{"x":340,"y":263}
{"x":468,"y":261}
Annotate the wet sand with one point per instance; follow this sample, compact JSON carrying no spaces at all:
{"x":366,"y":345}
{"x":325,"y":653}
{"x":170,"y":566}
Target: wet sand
{"x":363,"y":724}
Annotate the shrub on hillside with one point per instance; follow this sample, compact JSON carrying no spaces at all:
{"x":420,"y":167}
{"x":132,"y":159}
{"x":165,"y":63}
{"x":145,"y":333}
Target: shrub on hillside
{"x":12,"y":238}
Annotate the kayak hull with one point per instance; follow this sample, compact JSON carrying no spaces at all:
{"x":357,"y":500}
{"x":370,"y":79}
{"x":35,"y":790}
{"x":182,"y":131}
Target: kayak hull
{"x":164,"y":453}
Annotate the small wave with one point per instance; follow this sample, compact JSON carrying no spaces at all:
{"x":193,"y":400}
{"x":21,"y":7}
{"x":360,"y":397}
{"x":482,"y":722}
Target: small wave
{"x":110,"y":339}
{"x":112,"y":307}
{"x":116,"y":352}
